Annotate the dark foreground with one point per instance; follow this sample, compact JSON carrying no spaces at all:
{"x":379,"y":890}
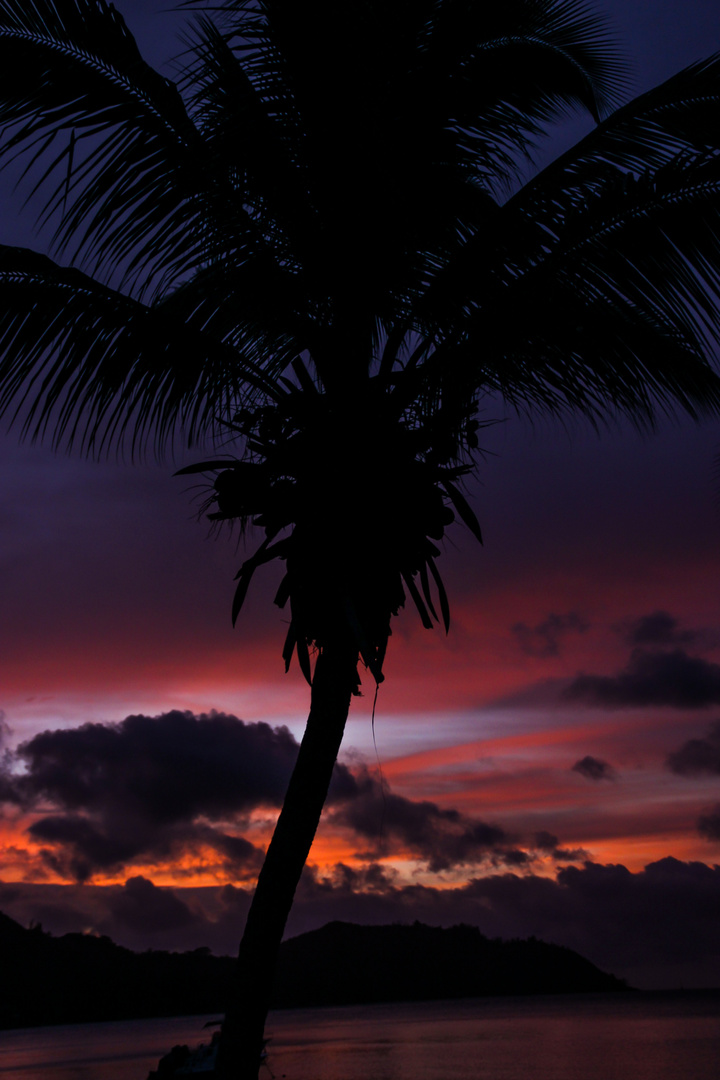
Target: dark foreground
{"x":589,"y":1037}
{"x":78,"y":978}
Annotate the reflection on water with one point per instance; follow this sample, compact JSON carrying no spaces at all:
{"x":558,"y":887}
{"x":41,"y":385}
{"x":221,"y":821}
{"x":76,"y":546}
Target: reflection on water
{"x":643,"y":1037}
{"x":595,"y":1037}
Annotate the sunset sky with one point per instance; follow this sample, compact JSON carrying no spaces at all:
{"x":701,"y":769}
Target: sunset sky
{"x":551,"y":767}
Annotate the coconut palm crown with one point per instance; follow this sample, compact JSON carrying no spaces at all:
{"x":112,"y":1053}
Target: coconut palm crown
{"x":320,"y":242}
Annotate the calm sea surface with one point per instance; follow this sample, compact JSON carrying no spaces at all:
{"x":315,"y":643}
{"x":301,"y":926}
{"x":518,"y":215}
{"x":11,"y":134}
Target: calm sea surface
{"x":593,"y":1037}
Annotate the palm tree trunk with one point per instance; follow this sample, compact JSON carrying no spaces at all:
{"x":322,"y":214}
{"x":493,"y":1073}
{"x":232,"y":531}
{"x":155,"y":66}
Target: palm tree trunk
{"x":241,"y":1041}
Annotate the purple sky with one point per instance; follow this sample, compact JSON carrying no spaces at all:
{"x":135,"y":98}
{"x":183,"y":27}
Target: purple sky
{"x":115,"y":603}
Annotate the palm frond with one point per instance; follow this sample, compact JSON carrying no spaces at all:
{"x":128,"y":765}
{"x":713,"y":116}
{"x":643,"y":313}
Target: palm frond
{"x":94,"y":366}
{"x":506,"y":71}
{"x":104,"y":136}
{"x":679,"y":115}
{"x":597,"y":285}
{"x":240,"y":126}
{"x":252,"y":305}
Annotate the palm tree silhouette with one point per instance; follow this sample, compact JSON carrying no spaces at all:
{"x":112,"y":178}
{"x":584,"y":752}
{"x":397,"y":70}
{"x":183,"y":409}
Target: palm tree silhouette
{"x":321,"y":243}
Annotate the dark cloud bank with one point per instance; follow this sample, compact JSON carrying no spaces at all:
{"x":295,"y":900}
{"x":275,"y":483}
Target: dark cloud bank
{"x":661,"y":628}
{"x":658,"y":928}
{"x":154,"y":789}
{"x":157,"y":787}
{"x":440,"y":838}
{"x":666,"y":678}
{"x":150,"y":788}
{"x":660,"y":670}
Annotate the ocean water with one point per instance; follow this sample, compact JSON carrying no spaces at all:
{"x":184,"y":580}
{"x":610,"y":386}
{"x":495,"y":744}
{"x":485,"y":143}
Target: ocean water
{"x":590,"y":1037}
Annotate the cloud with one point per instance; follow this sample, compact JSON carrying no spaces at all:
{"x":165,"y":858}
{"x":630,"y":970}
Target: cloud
{"x":7,"y":793}
{"x":441,"y":838}
{"x":549,"y":844}
{"x":671,"y":678}
{"x":594,"y":769}
{"x":658,"y":927}
{"x":141,"y":906}
{"x":709,"y":824}
{"x":698,"y":757}
{"x":659,"y":628}
{"x":543,"y":640}
{"x":156,"y":789}
{"x":8,"y":789}
{"x":138,"y":914}
{"x":169,"y":766}
{"x":151,"y":788}
{"x":80,"y":848}
{"x":545,"y":841}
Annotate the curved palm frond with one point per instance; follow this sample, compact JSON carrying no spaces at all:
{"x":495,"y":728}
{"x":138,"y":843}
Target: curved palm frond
{"x":511,"y":69}
{"x":244,"y":137}
{"x":91,"y":364}
{"x":107,"y":138}
{"x":650,"y":131}
{"x":596,"y":286}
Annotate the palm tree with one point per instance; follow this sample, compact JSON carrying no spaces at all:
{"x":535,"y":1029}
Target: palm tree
{"x":321,"y":245}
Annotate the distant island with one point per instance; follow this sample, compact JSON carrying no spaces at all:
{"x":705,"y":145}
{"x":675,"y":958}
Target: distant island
{"x":345,"y":964}
{"x":80,"y":978}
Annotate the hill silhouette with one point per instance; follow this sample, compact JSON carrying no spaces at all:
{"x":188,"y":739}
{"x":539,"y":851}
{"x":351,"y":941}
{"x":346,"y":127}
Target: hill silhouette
{"x":80,"y":977}
{"x":343,"y":963}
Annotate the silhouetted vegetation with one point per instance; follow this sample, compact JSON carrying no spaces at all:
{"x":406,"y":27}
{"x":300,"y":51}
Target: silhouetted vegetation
{"x":80,"y":977}
{"x":342,"y":964}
